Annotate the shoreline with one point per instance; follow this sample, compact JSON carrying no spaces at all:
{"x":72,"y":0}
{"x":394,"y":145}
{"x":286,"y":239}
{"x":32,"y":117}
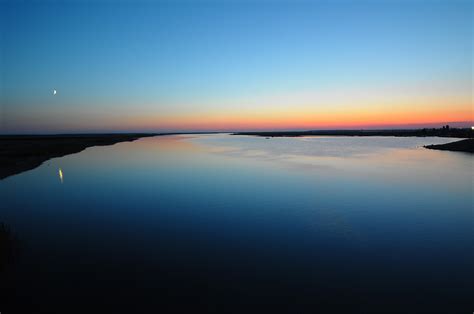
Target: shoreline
{"x":441,"y":132}
{"x":466,"y":145}
{"x":20,"y":153}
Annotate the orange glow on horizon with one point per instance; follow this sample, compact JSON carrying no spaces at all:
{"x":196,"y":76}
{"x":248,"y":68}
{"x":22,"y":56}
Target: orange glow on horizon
{"x":304,"y":114}
{"x":355,"y":118}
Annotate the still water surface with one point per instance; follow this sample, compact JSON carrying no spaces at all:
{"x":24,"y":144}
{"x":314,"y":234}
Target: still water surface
{"x":221,"y":223}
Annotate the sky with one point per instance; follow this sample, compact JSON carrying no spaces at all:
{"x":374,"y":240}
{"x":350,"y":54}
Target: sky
{"x":234,"y":65}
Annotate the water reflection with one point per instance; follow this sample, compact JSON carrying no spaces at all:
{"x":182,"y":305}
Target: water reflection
{"x":61,"y":177}
{"x":303,"y":222}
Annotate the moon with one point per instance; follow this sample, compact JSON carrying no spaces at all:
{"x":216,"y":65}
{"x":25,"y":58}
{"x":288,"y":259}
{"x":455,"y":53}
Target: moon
{"x":54,"y":92}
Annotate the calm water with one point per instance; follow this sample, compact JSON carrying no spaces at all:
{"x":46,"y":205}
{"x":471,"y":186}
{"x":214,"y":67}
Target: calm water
{"x":221,"y":223}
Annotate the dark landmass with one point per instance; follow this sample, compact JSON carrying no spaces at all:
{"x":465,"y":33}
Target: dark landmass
{"x":441,"y":132}
{"x":466,"y":145}
{"x":20,"y":153}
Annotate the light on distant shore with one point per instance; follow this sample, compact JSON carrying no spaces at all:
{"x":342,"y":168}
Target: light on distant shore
{"x":54,"y":92}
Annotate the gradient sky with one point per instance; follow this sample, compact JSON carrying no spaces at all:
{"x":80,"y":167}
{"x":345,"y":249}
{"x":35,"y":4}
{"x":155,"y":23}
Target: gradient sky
{"x":229,"y":65}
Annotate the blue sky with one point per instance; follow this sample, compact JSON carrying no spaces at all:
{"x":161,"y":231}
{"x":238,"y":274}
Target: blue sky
{"x":174,"y":65}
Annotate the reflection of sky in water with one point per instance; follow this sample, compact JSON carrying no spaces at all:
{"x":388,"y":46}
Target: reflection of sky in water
{"x":251,"y":174}
{"x":320,"y":145}
{"x":230,"y":202}
{"x":388,"y":158}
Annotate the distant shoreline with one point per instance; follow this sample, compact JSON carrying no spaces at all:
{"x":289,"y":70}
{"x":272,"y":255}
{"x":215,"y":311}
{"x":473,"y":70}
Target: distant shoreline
{"x":440,"y":132}
{"x":19,"y":153}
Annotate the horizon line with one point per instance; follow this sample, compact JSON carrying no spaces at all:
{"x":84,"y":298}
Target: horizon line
{"x":118,"y":132}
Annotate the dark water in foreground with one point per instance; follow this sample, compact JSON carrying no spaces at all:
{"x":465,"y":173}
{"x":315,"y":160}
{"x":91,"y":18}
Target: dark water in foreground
{"x":219,"y":223}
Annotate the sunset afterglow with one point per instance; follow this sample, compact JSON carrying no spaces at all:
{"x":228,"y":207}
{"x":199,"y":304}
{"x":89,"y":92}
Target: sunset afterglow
{"x":235,"y":66}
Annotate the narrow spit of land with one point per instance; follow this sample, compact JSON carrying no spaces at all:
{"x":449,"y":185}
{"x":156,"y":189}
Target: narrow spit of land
{"x":19,"y":153}
{"x":466,"y":145}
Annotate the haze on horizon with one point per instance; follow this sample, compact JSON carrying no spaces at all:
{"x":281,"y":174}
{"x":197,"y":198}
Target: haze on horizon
{"x":237,"y":65}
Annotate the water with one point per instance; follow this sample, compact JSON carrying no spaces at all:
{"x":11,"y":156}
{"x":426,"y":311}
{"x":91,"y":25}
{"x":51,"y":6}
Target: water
{"x":221,"y":223}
